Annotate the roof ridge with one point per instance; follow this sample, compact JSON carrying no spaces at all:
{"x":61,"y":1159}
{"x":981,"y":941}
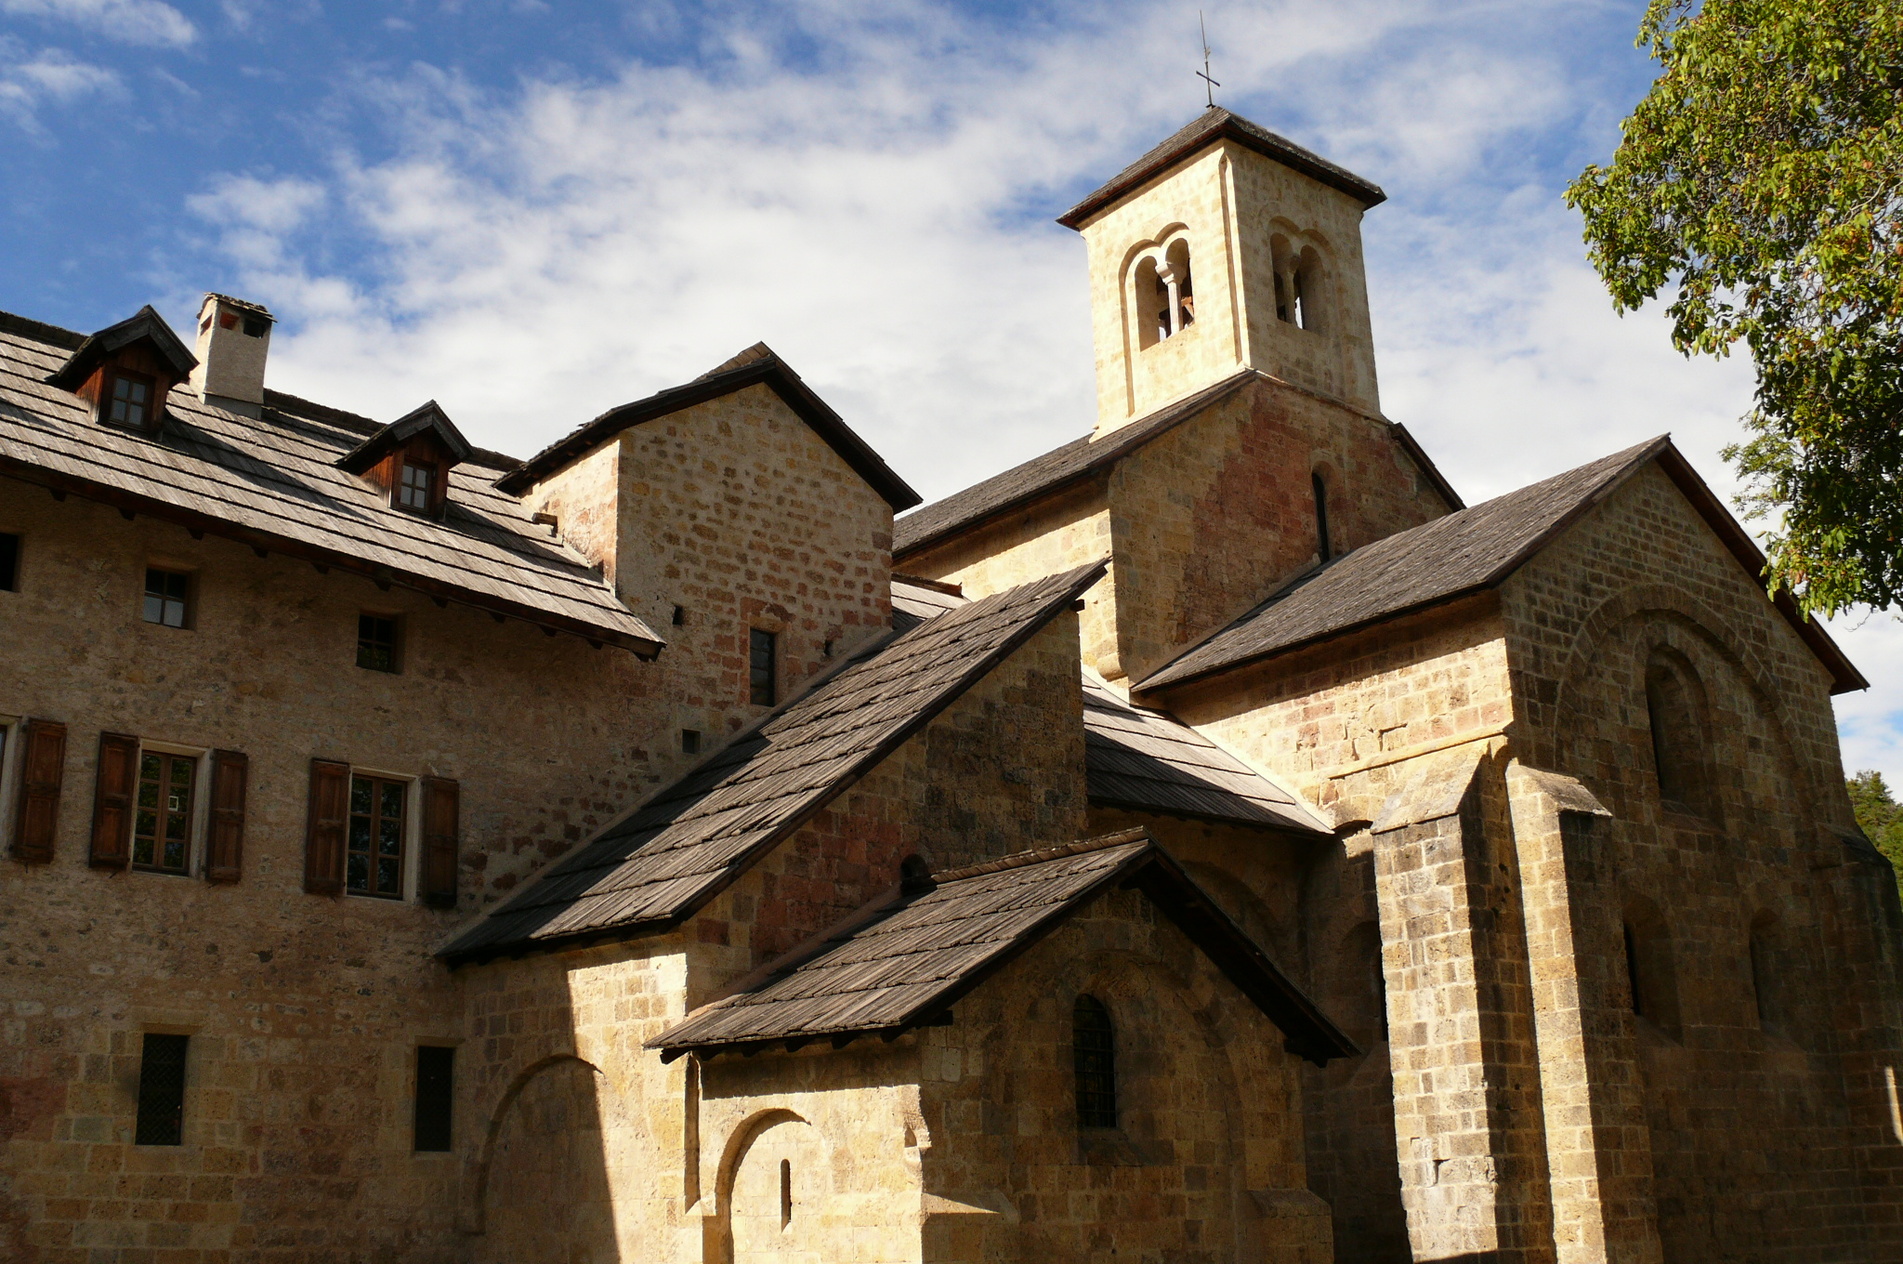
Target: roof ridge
{"x":1041,"y":855}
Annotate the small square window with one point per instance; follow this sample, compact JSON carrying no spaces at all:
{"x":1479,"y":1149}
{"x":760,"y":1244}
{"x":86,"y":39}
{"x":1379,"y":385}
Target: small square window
{"x":373,"y":863}
{"x":168,"y":596}
{"x":162,"y":820}
{"x":414,"y":490}
{"x":9,"y":562}
{"x":377,"y":642}
{"x":690,"y":741}
{"x":129,"y":399}
{"x":762,"y":681}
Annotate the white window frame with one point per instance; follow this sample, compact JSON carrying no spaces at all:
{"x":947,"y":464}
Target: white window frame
{"x":412,"y":834}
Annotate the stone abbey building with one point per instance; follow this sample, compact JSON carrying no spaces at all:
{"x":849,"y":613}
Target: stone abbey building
{"x":1210,"y":841}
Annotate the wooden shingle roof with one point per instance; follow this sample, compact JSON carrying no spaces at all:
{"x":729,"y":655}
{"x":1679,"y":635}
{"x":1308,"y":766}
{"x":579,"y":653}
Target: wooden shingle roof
{"x":903,"y":960}
{"x":1137,"y":757}
{"x":272,"y":482}
{"x":685,"y":845}
{"x":1464,"y":553}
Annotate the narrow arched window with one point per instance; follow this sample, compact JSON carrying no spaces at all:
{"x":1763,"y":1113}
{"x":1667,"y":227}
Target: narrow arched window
{"x":1324,"y":548}
{"x":1764,"y":971}
{"x":1650,"y":971}
{"x":786,"y":1192}
{"x":1094,"y":1054}
{"x":1678,"y":756}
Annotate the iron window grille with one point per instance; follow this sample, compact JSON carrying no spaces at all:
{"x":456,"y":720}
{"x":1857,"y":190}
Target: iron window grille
{"x":1094,"y":1055}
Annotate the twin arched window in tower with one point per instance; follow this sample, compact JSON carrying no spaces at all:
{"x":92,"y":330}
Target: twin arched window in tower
{"x":1165,"y":292}
{"x":1299,"y":288}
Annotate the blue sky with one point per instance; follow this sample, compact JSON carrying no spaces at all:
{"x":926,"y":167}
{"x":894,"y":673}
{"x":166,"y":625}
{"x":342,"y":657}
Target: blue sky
{"x":532,"y":210}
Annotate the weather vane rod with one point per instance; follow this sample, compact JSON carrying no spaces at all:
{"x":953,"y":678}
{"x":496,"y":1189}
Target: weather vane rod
{"x":1209,"y":85}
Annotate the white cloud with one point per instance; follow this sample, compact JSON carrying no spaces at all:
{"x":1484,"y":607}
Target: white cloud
{"x":147,"y":22}
{"x":29,"y":81}
{"x":543,"y":255}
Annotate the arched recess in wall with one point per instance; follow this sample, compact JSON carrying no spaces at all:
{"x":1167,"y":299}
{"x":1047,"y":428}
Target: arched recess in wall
{"x":774,"y":1181}
{"x":1770,"y":975}
{"x":1678,"y":717}
{"x":1651,"y":966}
{"x":1687,"y":625}
{"x":543,"y":1186}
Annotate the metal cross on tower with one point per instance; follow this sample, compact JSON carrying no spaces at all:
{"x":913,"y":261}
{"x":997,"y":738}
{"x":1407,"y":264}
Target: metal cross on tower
{"x":1209,"y":85}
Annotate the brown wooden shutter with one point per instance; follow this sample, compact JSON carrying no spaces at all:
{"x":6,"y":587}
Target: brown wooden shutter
{"x":330,"y":810}
{"x":112,"y":801}
{"x":441,"y":799}
{"x":42,"y":768}
{"x":224,"y":844}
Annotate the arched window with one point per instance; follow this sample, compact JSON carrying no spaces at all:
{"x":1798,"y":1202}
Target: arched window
{"x":1678,"y":755}
{"x":1165,"y":295}
{"x":1323,"y":546}
{"x":1094,"y":1054}
{"x":1649,"y":967}
{"x":786,"y":1192}
{"x":1307,"y":287}
{"x":1765,"y":978}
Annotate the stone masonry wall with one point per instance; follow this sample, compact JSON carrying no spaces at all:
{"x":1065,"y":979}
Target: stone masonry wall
{"x":1778,"y":1053}
{"x":304,"y":1011}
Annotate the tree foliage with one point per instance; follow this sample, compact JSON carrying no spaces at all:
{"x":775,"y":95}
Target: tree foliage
{"x":1880,"y":816}
{"x":1763,"y":177}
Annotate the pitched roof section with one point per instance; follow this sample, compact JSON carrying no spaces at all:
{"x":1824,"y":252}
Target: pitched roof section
{"x":1212,"y":125}
{"x":146,"y":325}
{"x":1059,"y":468}
{"x":684,"y":846}
{"x":1454,"y":556}
{"x":1136,"y":757}
{"x":903,"y":960}
{"x":272,"y":482}
{"x":757,"y":365}
{"x":916,"y":600}
{"x":429,"y":418}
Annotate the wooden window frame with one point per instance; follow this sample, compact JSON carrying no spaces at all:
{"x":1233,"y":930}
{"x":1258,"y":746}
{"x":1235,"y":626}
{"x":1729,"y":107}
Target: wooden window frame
{"x":763,"y":693}
{"x":189,"y":602}
{"x":400,"y":488}
{"x":114,"y":374}
{"x":374,"y":889}
{"x":396,"y":642}
{"x":167,"y":763}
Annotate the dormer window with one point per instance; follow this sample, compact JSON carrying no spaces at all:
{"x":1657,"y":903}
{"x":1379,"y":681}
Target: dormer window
{"x":409,"y":460}
{"x":124,"y":372}
{"x":129,"y":399}
{"x":414,"y":491}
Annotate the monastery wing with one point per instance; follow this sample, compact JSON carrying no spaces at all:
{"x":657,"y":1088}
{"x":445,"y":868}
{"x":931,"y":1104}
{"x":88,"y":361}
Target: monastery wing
{"x":273,"y":482}
{"x":685,"y":845}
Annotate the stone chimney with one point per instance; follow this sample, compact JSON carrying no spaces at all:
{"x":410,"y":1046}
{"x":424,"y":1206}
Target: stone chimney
{"x":233,"y":338}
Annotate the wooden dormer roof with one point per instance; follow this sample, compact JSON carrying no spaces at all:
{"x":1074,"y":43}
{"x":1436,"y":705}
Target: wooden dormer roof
{"x":146,"y":326}
{"x":428,"y":421}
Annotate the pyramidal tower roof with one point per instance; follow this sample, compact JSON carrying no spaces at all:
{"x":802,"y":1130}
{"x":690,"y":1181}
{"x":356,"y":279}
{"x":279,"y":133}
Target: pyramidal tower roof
{"x":1212,"y":125}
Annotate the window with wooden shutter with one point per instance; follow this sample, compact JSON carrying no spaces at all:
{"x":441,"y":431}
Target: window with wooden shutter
{"x":440,"y":841}
{"x":324,"y":844}
{"x":42,"y":767}
{"x":224,"y":841}
{"x":112,"y":800}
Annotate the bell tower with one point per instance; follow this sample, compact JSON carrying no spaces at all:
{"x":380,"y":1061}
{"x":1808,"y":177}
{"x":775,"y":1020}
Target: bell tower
{"x":1226,"y":248}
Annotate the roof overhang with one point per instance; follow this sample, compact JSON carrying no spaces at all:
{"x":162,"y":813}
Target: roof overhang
{"x":1214,"y":126}
{"x":146,"y":326}
{"x":131,"y":503}
{"x":429,"y":420}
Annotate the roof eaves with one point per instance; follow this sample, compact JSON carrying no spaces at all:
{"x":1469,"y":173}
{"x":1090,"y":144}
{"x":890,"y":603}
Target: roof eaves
{"x":1217,"y":124}
{"x":1427,"y":466}
{"x":133,"y":502}
{"x":145,"y":324}
{"x":769,"y":370}
{"x":427,"y":417}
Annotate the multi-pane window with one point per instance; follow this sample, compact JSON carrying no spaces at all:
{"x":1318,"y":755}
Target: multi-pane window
{"x":9,"y":562}
{"x":161,"y":1091}
{"x":129,"y":402}
{"x":762,"y":685}
{"x":376,"y":642}
{"x":1094,"y":1056}
{"x":162,"y":824}
{"x":373,"y":865}
{"x":413,"y":492}
{"x":167,"y":597}
{"x":435,"y":1097}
